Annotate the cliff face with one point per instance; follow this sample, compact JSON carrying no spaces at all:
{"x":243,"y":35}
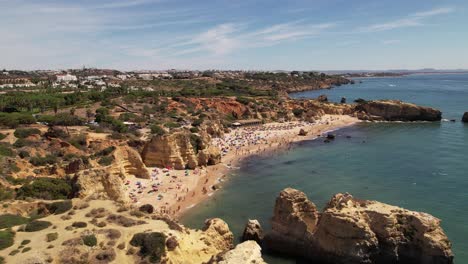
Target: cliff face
{"x":180,"y":150}
{"x":355,"y":231}
{"x":391,"y":110}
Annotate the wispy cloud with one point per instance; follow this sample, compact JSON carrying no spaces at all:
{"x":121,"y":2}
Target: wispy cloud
{"x":413,"y":20}
{"x":226,"y":38}
{"x":391,"y":41}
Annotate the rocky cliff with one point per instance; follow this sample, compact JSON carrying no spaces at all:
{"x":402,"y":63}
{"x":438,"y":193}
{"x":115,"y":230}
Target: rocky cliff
{"x":392,"y":110}
{"x":248,"y":252}
{"x":180,"y":150}
{"x":355,"y":231}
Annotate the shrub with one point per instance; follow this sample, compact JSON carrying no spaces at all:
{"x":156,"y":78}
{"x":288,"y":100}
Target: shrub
{"x":243,"y":100}
{"x":37,"y":225}
{"x":41,"y":161}
{"x":46,"y":188}
{"x":90,"y":240}
{"x":54,"y":132}
{"x":197,"y":122}
{"x":106,"y":161}
{"x":25,"y":242}
{"x":79,"y":224}
{"x":59,"y":207}
{"x":14,"y":252}
{"x":6,"y":239}
{"x":12,"y":120}
{"x":78,"y":141}
{"x":26,"y":132}
{"x":66,"y":119}
{"x":105,"y":151}
{"x":2,"y":136}
{"x":6,"y":193}
{"x":51,"y":237}
{"x":157,"y":130}
{"x":360,"y":101}
{"x":10,"y":220}
{"x":23,"y":154}
{"x":6,"y":151}
{"x":297,"y":112}
{"x":194,"y":130}
{"x":172,"y":125}
{"x":21,"y":142}
{"x":26,"y":249}
{"x":151,"y":245}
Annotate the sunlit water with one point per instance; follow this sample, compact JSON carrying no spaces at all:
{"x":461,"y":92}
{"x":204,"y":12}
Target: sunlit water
{"x":419,"y":166}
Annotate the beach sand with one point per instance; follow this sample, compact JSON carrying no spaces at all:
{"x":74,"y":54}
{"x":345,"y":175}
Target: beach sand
{"x":180,"y":190}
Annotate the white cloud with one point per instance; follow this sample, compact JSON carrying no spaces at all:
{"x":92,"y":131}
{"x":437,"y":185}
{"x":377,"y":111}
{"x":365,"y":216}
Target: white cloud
{"x":391,"y":41}
{"x":413,"y":20}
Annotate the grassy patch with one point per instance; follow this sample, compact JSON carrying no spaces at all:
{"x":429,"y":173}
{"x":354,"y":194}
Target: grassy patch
{"x":59,"y":207}
{"x":37,"y":225}
{"x":10,"y":220}
{"x":51,"y":237}
{"x":7,"y":238}
{"x":46,"y":188}
{"x":26,"y":132}
{"x":90,"y":240}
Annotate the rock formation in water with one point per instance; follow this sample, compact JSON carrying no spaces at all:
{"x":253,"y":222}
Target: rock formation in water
{"x":355,"y":231}
{"x":392,"y":110}
{"x":180,"y":150}
{"x":465,"y":117}
{"x":253,"y":231}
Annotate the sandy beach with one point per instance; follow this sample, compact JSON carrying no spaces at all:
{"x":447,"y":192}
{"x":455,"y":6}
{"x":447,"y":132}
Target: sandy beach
{"x":173,"y":192}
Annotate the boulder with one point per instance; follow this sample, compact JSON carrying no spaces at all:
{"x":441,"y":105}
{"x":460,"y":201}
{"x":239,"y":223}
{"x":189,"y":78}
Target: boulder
{"x":253,"y":231}
{"x":465,"y":117}
{"x":302,"y":132}
{"x":245,"y":253}
{"x":392,"y":110}
{"x":343,"y":100}
{"x":355,"y":231}
{"x":331,"y":136}
{"x":322,"y":98}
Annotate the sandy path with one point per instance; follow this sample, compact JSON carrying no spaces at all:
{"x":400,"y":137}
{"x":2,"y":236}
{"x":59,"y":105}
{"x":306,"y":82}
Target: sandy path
{"x":178,"y":191}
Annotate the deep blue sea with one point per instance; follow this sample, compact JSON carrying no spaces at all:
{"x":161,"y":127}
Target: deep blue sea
{"x":418,"y":166}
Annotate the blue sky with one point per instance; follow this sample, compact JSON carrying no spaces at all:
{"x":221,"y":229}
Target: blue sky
{"x":229,"y":34}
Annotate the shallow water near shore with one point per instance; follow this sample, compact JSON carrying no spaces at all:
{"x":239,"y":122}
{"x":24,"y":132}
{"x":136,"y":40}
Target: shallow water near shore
{"x":418,"y":166}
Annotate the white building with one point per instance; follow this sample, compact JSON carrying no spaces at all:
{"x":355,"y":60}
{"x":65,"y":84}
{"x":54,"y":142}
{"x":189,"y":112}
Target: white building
{"x":66,"y":78}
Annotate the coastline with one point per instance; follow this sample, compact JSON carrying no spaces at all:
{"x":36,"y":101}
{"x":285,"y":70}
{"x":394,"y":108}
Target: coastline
{"x":281,"y":141}
{"x":177,"y":191}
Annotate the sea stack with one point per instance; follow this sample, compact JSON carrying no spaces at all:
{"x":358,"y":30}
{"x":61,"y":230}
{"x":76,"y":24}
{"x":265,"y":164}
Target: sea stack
{"x":465,"y":117}
{"x":350,"y":230}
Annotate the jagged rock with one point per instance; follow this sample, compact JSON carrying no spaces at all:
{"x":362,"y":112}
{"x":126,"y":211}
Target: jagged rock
{"x":343,"y":100}
{"x":355,"y":231}
{"x":248,"y":252}
{"x":465,"y":117}
{"x":302,"y":132}
{"x":180,"y":150}
{"x":331,"y":136}
{"x":218,"y":231}
{"x":392,"y":110}
{"x":253,"y":231}
{"x":322,"y":98}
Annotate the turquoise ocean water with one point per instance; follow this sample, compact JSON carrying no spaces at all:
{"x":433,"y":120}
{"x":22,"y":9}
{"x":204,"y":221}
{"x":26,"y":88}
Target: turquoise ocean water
{"x":418,"y":166}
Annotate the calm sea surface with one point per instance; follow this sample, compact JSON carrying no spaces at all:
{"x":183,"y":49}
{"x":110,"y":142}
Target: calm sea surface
{"x":418,"y":166}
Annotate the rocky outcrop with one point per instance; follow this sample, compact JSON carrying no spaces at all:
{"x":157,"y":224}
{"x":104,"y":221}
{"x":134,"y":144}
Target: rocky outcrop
{"x":218,"y":231}
{"x":131,"y":162}
{"x":355,"y":231}
{"x":180,"y":150}
{"x":101,"y":184}
{"x":322,"y":98}
{"x":465,"y":117}
{"x":392,"y":110}
{"x":248,"y":252}
{"x":253,"y":231}
{"x":302,"y":132}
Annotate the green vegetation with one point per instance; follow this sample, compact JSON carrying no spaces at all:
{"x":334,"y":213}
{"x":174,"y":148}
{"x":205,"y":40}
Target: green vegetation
{"x":51,"y":237}
{"x":59,"y":207}
{"x":79,"y":224}
{"x":7,"y":238}
{"x":90,"y":240}
{"x":37,"y":225}
{"x":78,"y":141}
{"x":10,"y":220}
{"x":105,"y":151}
{"x":151,"y":245}
{"x":46,"y":188}
{"x":6,"y":151}
{"x":2,"y":136}
{"x":41,"y":161}
{"x":25,"y":242}
{"x":61,"y":119}
{"x":12,"y":120}
{"x":157,"y":130}
{"x":21,"y":142}
{"x":26,"y":132}
{"x":6,"y":193}
{"x":106,"y":160}
{"x":26,"y":249}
